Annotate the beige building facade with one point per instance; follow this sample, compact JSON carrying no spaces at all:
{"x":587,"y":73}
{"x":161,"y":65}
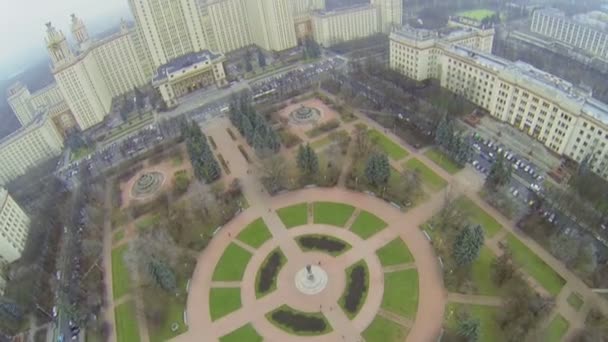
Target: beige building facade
{"x":189,"y":73}
{"x":391,"y":14}
{"x":227,"y":25}
{"x":28,"y":147}
{"x":332,"y":27}
{"x":566,"y":119}
{"x":271,"y":24}
{"x":14,"y":229}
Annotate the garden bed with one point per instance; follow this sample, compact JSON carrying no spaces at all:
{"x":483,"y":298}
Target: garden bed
{"x":266,"y":280}
{"x":244,"y":153}
{"x":323,"y":243}
{"x":224,"y":164}
{"x":354,"y":296}
{"x":231,"y":134}
{"x":299,"y":323}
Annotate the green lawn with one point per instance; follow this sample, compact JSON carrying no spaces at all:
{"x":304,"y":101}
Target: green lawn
{"x":81,"y":153}
{"x":342,"y":301}
{"x":478,"y":14}
{"x":121,"y":281}
{"x":335,"y":214}
{"x":394,"y":253}
{"x":430,"y":179}
{"x":119,"y":235}
{"x":223,"y":300}
{"x":392,"y":149}
{"x":288,"y":329}
{"x":295,"y":215}
{"x":232,"y":264}
{"x":273,"y":287}
{"x":535,"y":267}
{"x":367,"y":224}
{"x":401,"y":293}
{"x":177,"y":160}
{"x":481,"y":274}
{"x":175,"y":314}
{"x":479,"y":216}
{"x":556,"y":329}
{"x":127,"y":329}
{"x":489,"y":329}
{"x":384,"y":330}
{"x":575,"y":301}
{"x":147,"y":221}
{"x":245,"y":333}
{"x":442,"y":161}
{"x":320,"y":143}
{"x":255,"y":234}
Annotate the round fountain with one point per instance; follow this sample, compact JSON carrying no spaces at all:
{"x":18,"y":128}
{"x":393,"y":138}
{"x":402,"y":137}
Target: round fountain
{"x":311,"y":279}
{"x":305,"y":115}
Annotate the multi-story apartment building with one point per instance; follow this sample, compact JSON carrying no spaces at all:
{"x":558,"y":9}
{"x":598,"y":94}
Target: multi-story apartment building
{"x":391,"y":14}
{"x":301,"y":11}
{"x":566,"y":119}
{"x":587,"y":32}
{"x":14,"y":228}
{"x":331,"y":27}
{"x":271,"y":24}
{"x":416,"y":52}
{"x":188,"y":73}
{"x":28,"y":147}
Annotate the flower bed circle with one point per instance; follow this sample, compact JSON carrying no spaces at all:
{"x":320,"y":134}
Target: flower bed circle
{"x":305,"y":115}
{"x":147,"y":184}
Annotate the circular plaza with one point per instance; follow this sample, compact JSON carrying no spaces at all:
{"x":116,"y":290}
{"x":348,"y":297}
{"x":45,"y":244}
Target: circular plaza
{"x":318,"y":265}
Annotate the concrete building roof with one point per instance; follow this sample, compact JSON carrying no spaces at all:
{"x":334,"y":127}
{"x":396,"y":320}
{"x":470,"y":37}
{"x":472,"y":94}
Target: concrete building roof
{"x":183,"y":62}
{"x":39,"y":119}
{"x":342,"y":10}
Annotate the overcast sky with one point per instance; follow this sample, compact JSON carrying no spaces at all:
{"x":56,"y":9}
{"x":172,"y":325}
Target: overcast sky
{"x":22,"y":28}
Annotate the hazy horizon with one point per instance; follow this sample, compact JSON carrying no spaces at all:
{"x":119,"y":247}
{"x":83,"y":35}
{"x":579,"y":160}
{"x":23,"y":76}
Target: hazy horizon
{"x":26,"y":19}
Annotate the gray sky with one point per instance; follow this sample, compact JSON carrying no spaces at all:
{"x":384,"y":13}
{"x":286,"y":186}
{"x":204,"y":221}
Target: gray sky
{"x":22,"y":24}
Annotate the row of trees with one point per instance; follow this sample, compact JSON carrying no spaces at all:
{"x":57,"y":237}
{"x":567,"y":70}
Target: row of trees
{"x":252,"y":125}
{"x":206,"y":167}
{"x":311,"y":49}
{"x":453,"y":142}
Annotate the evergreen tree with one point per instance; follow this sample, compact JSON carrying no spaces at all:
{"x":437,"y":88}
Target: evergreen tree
{"x":247,"y":129}
{"x":307,"y":160}
{"x":468,"y":328}
{"x":259,"y":142}
{"x":377,"y":170}
{"x":301,"y":158}
{"x":468,"y":244}
{"x":248,"y":65}
{"x":261,"y":59}
{"x":163,"y":275}
{"x":272,"y":141}
{"x":500,"y":173}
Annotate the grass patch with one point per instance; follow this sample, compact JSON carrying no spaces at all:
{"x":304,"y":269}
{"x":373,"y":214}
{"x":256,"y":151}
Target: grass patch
{"x":118,"y":236}
{"x":556,"y":329}
{"x":395,"y":253}
{"x":488,"y":327}
{"x":295,"y":215}
{"x":177,"y":160}
{"x":255,"y":234}
{"x":232,"y":264}
{"x":320,"y":143}
{"x":477,"y":14}
{"x":384,"y":330}
{"x":120,"y":273}
{"x":481,"y":271}
{"x":335,"y":214}
{"x":147,"y":221}
{"x":127,"y":329}
{"x":245,"y":333}
{"x":176,"y":305}
{"x":443,"y":161}
{"x":223,"y":301}
{"x":81,"y":153}
{"x":392,"y":149}
{"x":401,"y":293}
{"x":367,"y":224}
{"x":430,"y":179}
{"x":575,"y":301}
{"x":479,"y":216}
{"x":535,"y":266}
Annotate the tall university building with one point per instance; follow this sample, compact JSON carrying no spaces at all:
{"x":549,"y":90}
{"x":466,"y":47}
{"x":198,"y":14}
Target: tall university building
{"x":14,"y":229}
